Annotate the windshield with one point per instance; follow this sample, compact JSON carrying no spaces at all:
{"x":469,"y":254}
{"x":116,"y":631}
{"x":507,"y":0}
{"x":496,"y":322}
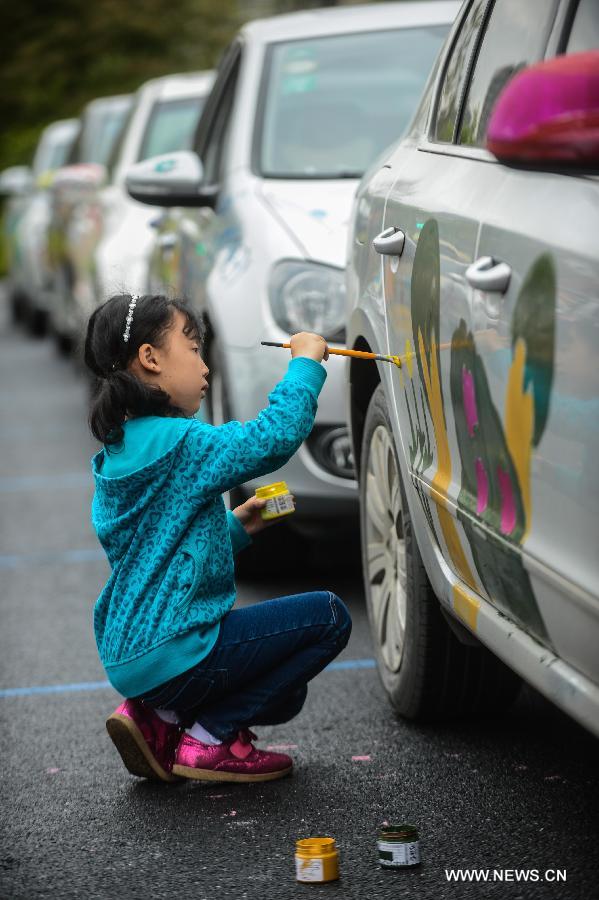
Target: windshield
{"x":171,"y":126}
{"x":332,"y":104}
{"x":53,"y":150}
{"x":102,"y":128}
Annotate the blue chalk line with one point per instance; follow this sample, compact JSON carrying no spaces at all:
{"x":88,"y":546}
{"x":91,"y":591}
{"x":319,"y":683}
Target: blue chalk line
{"x":102,"y":685}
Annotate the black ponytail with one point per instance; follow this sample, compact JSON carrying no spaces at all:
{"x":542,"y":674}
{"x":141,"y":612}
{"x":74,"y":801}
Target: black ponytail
{"x":116,"y":392}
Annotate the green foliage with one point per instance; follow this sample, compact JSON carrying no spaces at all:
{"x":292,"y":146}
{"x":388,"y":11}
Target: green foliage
{"x":58,"y":56}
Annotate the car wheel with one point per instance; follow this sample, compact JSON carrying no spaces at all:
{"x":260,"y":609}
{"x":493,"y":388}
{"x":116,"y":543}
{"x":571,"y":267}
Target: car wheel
{"x":16,"y":308}
{"x":37,"y":322}
{"x":426,"y":670}
{"x":63,"y":342}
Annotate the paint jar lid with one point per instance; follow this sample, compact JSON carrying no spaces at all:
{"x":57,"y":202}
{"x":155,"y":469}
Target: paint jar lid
{"x":316,"y":846}
{"x":271,"y":490}
{"x":398,"y":832}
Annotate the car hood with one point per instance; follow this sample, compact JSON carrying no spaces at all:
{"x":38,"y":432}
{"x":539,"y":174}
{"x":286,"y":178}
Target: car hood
{"x":315,"y":212}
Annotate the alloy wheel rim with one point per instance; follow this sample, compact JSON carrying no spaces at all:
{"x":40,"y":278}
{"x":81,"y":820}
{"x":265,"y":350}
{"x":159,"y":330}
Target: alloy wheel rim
{"x":385,"y":549}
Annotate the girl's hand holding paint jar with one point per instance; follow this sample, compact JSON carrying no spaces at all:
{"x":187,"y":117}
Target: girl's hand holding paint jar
{"x":311,"y":345}
{"x":250,"y":514}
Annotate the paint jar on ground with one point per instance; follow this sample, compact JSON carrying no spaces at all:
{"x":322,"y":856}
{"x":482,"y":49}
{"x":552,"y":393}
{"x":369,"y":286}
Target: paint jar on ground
{"x":398,"y":846}
{"x":279,"y":501}
{"x":316,"y":860}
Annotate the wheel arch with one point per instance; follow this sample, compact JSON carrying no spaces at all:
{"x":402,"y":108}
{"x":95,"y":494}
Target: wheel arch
{"x":364,"y":379}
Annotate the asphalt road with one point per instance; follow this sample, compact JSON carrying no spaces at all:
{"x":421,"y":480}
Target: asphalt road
{"x":515,"y":793}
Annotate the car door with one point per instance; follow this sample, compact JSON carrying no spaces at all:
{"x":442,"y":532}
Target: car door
{"x":525,"y":392}
{"x":457,"y":453}
{"x":434,"y":204}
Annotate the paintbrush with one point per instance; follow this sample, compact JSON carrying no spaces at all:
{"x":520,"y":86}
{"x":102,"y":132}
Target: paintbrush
{"x":356,"y":354}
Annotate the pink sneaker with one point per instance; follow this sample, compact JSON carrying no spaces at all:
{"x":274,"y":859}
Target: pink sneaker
{"x":233,"y":760}
{"x":146,"y":743}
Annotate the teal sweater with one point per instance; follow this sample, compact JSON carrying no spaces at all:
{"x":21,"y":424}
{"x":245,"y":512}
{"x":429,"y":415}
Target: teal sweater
{"x":160,"y":517}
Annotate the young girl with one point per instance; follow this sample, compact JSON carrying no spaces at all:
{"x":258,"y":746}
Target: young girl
{"x":196,"y":674}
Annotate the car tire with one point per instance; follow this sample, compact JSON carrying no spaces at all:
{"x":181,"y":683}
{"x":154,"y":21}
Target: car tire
{"x":37,"y":322}
{"x":63,"y":343}
{"x":426,"y":670}
{"x":17,"y":312}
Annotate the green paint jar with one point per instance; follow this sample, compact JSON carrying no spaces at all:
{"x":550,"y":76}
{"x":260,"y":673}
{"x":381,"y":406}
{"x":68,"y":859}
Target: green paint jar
{"x":398,"y":845}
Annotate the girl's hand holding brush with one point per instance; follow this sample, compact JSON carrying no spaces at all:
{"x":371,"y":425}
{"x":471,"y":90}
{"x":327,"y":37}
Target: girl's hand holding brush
{"x":311,"y":345}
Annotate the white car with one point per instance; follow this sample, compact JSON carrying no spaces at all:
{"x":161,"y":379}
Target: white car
{"x":29,"y":275}
{"x":164,"y":118}
{"x":256,"y":237}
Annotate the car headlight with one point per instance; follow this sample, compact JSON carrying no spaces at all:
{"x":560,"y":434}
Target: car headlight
{"x":309,"y":297}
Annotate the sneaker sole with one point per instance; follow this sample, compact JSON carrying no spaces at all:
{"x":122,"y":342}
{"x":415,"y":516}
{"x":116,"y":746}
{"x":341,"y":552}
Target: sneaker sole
{"x":212,"y":775}
{"x":132,"y":746}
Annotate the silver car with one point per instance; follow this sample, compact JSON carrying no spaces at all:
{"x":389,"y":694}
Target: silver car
{"x":27,"y":222}
{"x":72,"y":229}
{"x":479,"y":489}
{"x":301,"y":106}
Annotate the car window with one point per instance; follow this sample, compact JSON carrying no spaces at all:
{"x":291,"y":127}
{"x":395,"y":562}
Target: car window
{"x":515,"y":36}
{"x":52,"y":151}
{"x":315,"y":91}
{"x":102,"y":127}
{"x":171,"y":126}
{"x":585,"y":28}
{"x":60,"y":151}
{"x":115,"y":153}
{"x":456,"y":72}
{"x":214,"y":152}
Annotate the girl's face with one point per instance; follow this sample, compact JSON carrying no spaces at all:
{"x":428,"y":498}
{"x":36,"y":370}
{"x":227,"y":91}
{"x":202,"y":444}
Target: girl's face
{"x":177,"y":367}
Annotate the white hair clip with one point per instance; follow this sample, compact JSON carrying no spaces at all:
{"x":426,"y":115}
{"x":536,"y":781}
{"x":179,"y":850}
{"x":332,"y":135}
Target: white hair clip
{"x":134,"y":299}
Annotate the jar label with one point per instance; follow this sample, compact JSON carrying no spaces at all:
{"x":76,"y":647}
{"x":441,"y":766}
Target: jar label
{"x":399,"y":853}
{"x":277,"y":505}
{"x":309,"y":869}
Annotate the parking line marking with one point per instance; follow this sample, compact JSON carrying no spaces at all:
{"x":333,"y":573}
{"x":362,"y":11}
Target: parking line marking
{"x":15,"y":560}
{"x":102,"y":685}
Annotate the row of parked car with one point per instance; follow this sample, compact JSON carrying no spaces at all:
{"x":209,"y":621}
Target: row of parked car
{"x":408,"y":178}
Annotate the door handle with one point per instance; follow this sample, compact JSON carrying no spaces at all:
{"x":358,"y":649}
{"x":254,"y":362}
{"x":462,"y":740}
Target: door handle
{"x":487,"y":274}
{"x":390,"y":242}
{"x":167,"y":241}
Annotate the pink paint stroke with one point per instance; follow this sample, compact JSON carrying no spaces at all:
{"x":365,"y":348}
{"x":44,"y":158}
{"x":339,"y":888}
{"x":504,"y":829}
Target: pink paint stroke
{"x":469,"y":400}
{"x":282,"y":747}
{"x":360,"y":759}
{"x":482,"y":487}
{"x":508,"y":504}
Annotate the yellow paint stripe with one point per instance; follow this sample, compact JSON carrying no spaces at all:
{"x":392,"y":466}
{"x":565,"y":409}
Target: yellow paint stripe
{"x":466,"y":606}
{"x":442,"y":477}
{"x":519,"y":427}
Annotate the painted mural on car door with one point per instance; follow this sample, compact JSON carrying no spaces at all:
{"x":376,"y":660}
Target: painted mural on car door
{"x":494,"y":501}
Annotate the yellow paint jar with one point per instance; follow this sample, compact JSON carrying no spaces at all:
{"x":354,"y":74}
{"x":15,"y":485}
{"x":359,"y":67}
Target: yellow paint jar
{"x":316,"y":860}
{"x":279,"y":501}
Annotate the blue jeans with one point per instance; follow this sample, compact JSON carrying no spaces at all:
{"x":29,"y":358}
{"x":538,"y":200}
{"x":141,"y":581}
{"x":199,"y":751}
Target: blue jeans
{"x":257,"y":672}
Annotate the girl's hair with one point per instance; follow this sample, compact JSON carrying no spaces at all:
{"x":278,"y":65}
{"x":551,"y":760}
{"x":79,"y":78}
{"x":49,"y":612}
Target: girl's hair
{"x":116,"y":392}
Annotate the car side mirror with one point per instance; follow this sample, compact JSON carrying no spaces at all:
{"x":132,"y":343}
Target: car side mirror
{"x":172,"y":179}
{"x":16,"y":181}
{"x":547,"y":117}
